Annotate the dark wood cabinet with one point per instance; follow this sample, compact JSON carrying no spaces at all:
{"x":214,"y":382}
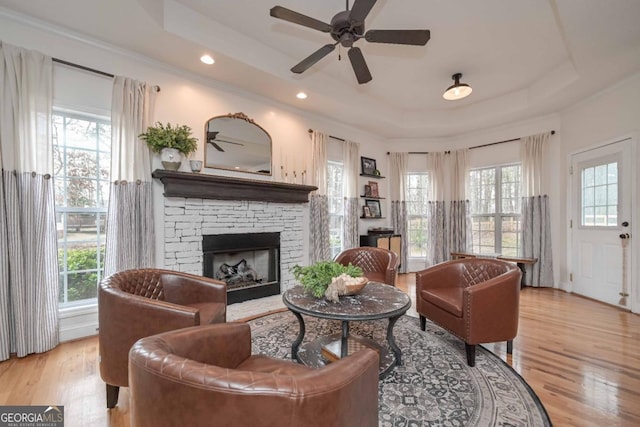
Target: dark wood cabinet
{"x":392,"y":242}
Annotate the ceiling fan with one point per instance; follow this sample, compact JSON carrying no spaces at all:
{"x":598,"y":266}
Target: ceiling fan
{"x":212,"y":138}
{"x":346,"y":28}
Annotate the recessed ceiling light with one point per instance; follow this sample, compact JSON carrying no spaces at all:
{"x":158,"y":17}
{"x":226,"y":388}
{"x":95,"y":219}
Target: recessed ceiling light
{"x":207,"y":59}
{"x":301,"y":95}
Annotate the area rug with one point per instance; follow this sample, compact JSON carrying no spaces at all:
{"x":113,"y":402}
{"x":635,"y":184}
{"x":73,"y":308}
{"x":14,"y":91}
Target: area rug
{"x":434,"y":386}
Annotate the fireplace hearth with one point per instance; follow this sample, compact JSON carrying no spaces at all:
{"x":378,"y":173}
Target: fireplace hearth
{"x":249,"y":263}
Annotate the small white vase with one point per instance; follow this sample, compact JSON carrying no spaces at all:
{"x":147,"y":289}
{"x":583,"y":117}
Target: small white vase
{"x":171,"y":158}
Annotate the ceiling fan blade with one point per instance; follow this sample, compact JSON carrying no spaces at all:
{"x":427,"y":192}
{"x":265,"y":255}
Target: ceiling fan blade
{"x":359,"y":65}
{"x":411,"y":37}
{"x":360,"y":10}
{"x":316,"y":56}
{"x":230,"y":142}
{"x":300,"y":19}
{"x":216,"y":146}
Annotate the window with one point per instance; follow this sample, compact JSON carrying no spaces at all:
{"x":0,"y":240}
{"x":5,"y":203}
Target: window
{"x":495,"y":210}
{"x":335,"y":175}
{"x":417,"y":208}
{"x":82,"y":156}
{"x":599,"y":198}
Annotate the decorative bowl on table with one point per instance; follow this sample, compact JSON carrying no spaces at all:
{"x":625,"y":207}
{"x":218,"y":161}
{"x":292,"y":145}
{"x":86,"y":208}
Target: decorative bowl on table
{"x":344,"y":285}
{"x":356,"y":286}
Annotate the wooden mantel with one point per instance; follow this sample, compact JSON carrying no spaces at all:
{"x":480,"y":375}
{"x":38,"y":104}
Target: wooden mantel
{"x":204,"y":186}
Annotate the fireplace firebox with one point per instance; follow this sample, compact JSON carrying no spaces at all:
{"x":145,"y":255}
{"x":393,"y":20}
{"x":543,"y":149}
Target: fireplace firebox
{"x":248,"y":263}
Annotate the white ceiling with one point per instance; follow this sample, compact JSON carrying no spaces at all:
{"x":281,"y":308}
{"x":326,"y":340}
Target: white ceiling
{"x":524,"y":58}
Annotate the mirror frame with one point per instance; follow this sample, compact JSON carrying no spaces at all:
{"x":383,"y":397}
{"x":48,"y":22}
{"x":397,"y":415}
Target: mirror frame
{"x":238,"y":116}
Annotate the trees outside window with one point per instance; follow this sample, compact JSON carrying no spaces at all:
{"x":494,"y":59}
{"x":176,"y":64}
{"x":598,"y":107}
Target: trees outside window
{"x":82,"y":157}
{"x":495,"y":209}
{"x":417,"y":198}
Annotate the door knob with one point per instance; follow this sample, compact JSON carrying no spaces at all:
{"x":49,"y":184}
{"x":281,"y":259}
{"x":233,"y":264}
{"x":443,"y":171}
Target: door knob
{"x":625,"y":236}
{"x":625,"y":224}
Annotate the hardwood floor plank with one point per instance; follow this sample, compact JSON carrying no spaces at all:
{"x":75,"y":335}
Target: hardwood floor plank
{"x":581,"y":357}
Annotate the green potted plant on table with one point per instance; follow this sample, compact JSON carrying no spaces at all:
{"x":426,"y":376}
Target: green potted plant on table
{"x":171,"y":142}
{"x":330,"y":279}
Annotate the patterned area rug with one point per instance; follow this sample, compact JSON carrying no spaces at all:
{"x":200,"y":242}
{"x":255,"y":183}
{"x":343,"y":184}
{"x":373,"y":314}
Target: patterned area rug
{"x":434,"y":386}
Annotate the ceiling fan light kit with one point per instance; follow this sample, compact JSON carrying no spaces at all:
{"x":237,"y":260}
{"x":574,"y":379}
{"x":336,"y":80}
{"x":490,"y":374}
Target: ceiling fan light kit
{"x":457,"y":90}
{"x":346,"y":28}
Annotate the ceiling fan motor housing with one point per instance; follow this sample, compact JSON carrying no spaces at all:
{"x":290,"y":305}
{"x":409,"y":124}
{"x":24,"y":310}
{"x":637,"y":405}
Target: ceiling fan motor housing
{"x":343,"y":31}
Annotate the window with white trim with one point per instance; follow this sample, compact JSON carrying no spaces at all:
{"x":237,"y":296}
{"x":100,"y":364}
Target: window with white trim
{"x":82,"y":156}
{"x":495,"y":209}
{"x":335,"y":195}
{"x":417,"y":198}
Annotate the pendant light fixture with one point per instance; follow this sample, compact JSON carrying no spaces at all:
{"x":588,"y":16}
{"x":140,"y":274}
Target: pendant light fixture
{"x":457,"y":90}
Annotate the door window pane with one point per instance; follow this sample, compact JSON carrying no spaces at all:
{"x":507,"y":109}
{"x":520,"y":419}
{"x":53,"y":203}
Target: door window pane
{"x":599,"y":202}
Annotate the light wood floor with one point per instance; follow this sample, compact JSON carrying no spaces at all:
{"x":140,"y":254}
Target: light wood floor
{"x":581,"y":357}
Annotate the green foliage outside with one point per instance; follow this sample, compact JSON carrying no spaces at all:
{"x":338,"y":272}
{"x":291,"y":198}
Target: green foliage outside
{"x":84,"y":284}
{"x":316,"y":278}
{"x":166,"y":136}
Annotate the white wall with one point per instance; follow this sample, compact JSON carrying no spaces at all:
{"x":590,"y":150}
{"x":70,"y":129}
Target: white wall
{"x":189,"y":99}
{"x":184,"y":99}
{"x":610,"y":115}
{"x":604,"y":117}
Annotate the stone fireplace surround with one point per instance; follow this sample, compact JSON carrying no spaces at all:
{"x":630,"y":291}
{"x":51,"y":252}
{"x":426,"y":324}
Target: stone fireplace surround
{"x":187,"y":219}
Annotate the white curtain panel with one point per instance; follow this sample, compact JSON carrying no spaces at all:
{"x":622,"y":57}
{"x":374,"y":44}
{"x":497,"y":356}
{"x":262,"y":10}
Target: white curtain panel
{"x":459,"y":226}
{"x":536,"y":240}
{"x":29,"y":283}
{"x":437,"y":248}
{"x":459,"y":173}
{"x":536,"y":226}
{"x":459,"y":209}
{"x":130,"y":226}
{"x":435,"y":169}
{"x":319,"y":248}
{"x":532,"y":163}
{"x":399,"y":221}
{"x":437,"y":240}
{"x":351,"y":156}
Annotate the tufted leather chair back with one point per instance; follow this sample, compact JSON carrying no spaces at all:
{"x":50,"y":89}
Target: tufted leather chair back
{"x":378,"y":264}
{"x":137,"y":303}
{"x":476,"y":299}
{"x":206,"y":375}
{"x":142,"y":282}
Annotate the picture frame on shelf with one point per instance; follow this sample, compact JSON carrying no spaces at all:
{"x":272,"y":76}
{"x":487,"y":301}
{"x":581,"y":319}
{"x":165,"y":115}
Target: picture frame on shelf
{"x":374,"y":207}
{"x":366,"y":212}
{"x":368,"y":165}
{"x":374,"y":189}
{"x":367,"y":190}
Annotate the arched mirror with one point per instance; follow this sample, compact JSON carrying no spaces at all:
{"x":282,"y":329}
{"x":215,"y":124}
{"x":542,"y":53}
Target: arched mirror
{"x":235,"y":142}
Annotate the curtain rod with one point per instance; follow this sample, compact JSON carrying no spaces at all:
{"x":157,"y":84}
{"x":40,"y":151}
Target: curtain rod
{"x":553,"y":132}
{"x":91,"y":70}
{"x":330,"y":136}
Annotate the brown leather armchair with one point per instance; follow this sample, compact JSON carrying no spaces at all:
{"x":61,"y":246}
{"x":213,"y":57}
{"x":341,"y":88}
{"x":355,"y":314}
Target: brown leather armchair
{"x":476,"y":299}
{"x":206,"y":375}
{"x":133,"y":304}
{"x":379,"y":265}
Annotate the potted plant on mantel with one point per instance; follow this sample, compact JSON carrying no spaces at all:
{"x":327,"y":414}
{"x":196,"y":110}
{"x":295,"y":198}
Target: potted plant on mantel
{"x":171,"y":142}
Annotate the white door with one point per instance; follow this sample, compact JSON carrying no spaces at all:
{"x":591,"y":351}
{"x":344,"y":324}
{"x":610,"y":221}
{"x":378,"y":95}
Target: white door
{"x":601,"y":223}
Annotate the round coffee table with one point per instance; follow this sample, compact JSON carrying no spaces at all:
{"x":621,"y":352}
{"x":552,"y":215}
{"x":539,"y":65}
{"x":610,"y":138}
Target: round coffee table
{"x":375,"y":301}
